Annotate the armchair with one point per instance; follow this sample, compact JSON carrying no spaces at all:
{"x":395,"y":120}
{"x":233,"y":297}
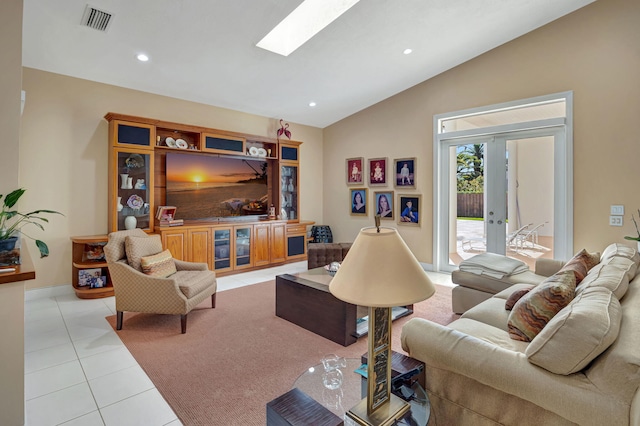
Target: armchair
{"x":153,"y":292}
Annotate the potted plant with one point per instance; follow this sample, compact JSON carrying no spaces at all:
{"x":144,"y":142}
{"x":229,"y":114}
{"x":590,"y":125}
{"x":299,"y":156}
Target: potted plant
{"x":12,"y":222}
{"x":636,"y":237}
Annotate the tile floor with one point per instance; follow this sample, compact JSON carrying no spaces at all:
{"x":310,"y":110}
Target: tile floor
{"x":78,"y":372}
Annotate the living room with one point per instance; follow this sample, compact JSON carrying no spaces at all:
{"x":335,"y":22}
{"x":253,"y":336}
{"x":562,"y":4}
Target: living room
{"x":58,"y":149}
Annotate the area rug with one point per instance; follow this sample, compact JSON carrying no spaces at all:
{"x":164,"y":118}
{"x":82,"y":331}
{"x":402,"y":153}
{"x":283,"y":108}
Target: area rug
{"x":239,"y":356}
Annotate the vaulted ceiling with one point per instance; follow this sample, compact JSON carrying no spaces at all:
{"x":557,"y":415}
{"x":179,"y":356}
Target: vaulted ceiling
{"x":204,"y":50}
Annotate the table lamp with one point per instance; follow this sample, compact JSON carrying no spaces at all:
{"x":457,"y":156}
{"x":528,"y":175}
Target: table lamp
{"x":380,"y":272}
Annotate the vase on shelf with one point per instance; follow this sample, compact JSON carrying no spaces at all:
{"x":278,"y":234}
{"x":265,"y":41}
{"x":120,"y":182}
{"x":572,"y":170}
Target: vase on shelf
{"x":120,"y":206}
{"x":130,"y":222}
{"x":124,"y":177}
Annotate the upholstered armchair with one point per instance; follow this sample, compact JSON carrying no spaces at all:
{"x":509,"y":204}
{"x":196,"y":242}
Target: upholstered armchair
{"x":147,"y":279}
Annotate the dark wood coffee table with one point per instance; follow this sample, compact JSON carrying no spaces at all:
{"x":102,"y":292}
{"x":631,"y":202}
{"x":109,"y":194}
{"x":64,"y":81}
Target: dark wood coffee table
{"x":304,"y":300}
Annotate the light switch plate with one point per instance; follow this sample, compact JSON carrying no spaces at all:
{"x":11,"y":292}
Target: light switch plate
{"x":617,"y":210}
{"x":615,"y":220}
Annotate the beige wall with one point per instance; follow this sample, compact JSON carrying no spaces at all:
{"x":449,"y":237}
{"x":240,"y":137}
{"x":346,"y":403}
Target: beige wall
{"x":64,"y":152}
{"x":11,"y":295}
{"x":593,"y":52}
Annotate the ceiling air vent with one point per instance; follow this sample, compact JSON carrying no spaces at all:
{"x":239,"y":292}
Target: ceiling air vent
{"x":96,"y":19}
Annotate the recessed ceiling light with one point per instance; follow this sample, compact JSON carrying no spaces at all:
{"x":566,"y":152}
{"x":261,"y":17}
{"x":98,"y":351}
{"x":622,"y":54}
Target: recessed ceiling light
{"x":304,"y":22}
{"x":407,"y":51}
{"x":312,"y":104}
{"x":142,"y":57}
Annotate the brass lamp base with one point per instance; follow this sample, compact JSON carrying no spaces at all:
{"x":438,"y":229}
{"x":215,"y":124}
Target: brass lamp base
{"x":384,"y":415}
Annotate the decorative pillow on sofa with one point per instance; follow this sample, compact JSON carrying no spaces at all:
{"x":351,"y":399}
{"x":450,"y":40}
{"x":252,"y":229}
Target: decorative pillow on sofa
{"x":515,"y":296}
{"x":535,"y":309}
{"x":138,"y":247}
{"x":578,"y":334}
{"x":159,"y":265}
{"x":581,"y":263}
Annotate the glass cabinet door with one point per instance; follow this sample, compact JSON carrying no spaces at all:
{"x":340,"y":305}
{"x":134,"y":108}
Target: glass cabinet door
{"x":243,"y":246}
{"x":222,"y":248}
{"x":133,"y":204}
{"x":289,"y":191}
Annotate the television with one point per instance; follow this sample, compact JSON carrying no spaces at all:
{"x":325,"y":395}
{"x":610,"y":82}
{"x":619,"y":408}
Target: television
{"x":205,"y":186}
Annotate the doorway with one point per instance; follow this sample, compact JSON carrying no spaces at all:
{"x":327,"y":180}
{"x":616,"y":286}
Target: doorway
{"x":504,"y":189}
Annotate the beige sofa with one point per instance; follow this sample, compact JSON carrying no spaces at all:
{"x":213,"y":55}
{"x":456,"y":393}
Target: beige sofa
{"x":568,"y":374}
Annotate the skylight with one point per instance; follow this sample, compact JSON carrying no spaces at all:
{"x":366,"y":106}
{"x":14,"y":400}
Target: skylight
{"x":307,"y":20}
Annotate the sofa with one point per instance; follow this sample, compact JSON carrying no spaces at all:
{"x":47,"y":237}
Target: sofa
{"x":321,"y":254}
{"x":583,"y":366}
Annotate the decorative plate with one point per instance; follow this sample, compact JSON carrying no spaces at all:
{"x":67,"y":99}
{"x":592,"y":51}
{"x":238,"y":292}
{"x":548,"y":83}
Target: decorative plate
{"x":253,"y":151}
{"x":181,"y":143}
{"x":262,"y":152}
{"x":135,"y":202}
{"x":135,"y":161}
{"x":170,"y":142}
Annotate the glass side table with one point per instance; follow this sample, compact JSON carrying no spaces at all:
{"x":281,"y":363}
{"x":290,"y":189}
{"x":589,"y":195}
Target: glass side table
{"x":353,"y":389}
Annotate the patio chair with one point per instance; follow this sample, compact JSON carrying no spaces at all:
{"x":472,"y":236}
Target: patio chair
{"x":512,"y":238}
{"x":530,"y":237}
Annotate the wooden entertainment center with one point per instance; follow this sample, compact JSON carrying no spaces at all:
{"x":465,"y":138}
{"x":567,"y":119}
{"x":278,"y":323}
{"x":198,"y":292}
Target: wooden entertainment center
{"x":138,"y":148}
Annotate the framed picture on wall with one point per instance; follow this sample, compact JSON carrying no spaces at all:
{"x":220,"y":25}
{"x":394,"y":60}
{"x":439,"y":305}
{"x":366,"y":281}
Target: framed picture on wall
{"x":377,"y":172}
{"x":405,"y":172}
{"x":383,"y":204}
{"x":355,"y":171}
{"x":358,"y":200}
{"x":409,"y":208}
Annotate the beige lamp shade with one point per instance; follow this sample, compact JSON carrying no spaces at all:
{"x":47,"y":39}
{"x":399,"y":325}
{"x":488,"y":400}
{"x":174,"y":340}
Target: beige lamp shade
{"x":379,"y":270}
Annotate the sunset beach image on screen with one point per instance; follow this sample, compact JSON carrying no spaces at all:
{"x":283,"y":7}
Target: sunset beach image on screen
{"x":208,"y":186}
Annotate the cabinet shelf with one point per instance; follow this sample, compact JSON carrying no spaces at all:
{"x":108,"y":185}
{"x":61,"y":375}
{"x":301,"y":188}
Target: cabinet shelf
{"x":89,"y":265}
{"x":81,"y":249}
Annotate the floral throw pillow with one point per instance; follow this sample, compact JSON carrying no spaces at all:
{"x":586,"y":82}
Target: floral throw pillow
{"x":535,"y":309}
{"x":581,"y":263}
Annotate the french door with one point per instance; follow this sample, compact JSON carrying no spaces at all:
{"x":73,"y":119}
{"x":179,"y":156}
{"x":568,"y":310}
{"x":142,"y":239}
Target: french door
{"x":521,"y":207}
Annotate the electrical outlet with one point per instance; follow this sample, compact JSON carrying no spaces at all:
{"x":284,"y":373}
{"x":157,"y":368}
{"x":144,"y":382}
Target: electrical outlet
{"x":617,"y":210}
{"x":615,"y":220}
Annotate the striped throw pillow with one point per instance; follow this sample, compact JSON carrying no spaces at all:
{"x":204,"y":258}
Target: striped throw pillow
{"x":159,"y":265}
{"x":535,"y":309}
{"x":581,"y":263}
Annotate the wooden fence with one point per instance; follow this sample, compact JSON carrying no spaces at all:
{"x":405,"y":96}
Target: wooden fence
{"x":470,"y":205}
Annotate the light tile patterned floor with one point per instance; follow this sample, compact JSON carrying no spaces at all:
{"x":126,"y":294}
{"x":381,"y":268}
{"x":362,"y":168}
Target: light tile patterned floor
{"x":78,"y":372}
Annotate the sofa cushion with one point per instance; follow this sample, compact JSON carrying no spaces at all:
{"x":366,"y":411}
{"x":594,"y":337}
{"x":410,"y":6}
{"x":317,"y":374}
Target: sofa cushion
{"x":192,"y":283}
{"x":578,"y":333}
{"x":617,"y":249}
{"x":159,"y":265}
{"x":581,"y":263}
{"x":629,"y":267}
{"x":607,"y":276}
{"x":535,"y":309}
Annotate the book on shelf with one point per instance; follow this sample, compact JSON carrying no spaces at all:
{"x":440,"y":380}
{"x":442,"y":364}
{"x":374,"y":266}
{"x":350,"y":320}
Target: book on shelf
{"x":173,"y":222}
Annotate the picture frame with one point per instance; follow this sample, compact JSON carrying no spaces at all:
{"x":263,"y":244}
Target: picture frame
{"x":379,"y":198}
{"x":355,"y":171}
{"x":405,"y":172}
{"x":409,"y":214}
{"x":166,"y":213}
{"x":358,"y":207}
{"x":88,"y":277}
{"x":378,"y":171}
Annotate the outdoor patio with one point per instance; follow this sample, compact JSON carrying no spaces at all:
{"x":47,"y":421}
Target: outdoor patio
{"x":471,"y":241}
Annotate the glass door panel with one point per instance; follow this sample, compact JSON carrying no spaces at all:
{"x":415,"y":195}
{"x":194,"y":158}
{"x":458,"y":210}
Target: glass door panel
{"x":222,"y":248}
{"x":243,"y":246}
{"x":289,"y":191}
{"x":133,"y":205}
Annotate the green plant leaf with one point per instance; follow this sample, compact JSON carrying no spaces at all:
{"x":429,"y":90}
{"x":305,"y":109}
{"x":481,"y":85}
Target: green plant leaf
{"x":13,"y":197}
{"x":632,"y":238}
{"x":44,"y":250}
